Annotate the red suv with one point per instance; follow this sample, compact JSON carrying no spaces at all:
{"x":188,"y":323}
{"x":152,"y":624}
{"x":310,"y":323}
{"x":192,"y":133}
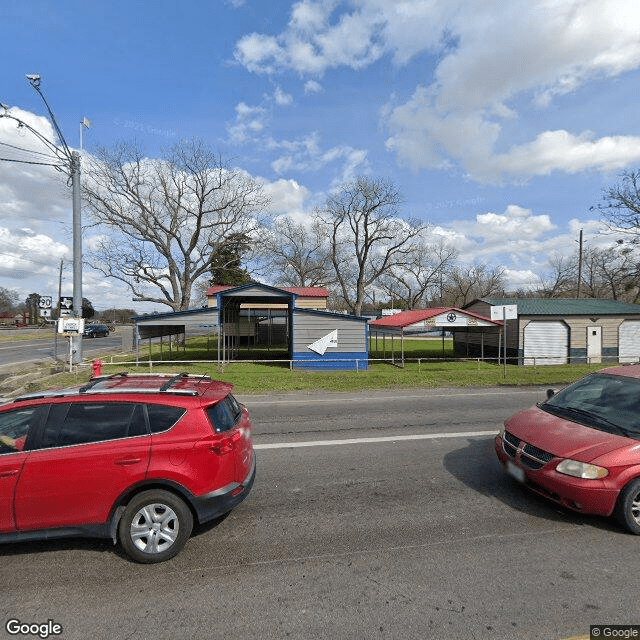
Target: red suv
{"x":138,"y":458}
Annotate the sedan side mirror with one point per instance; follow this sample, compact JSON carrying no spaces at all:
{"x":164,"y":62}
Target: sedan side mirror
{"x":550,"y":393}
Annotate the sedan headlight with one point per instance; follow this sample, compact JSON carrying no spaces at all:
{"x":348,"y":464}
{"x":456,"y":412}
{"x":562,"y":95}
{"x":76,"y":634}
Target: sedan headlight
{"x":581,"y":470}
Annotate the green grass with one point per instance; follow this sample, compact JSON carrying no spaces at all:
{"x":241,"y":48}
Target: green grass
{"x":426,"y":366}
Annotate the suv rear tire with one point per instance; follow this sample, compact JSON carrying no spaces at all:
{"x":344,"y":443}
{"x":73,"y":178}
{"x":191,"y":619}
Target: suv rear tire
{"x":155,"y":526}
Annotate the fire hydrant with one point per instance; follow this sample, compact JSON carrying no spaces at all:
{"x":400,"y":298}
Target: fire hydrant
{"x":96,"y":365}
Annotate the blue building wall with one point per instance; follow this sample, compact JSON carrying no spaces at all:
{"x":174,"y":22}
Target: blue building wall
{"x":332,"y":361}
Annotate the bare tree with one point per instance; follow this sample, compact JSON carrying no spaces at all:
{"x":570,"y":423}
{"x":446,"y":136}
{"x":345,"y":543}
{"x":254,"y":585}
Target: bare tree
{"x":621,"y":208}
{"x":561,"y":277}
{"x":296,"y":254}
{"x":366,"y":236}
{"x":468,"y":283}
{"x":166,"y":220}
{"x":610,"y":274}
{"x":422,"y":275}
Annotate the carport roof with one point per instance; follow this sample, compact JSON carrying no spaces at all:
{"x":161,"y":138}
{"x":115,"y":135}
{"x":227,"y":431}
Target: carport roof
{"x":408,"y":318}
{"x":307,"y":292}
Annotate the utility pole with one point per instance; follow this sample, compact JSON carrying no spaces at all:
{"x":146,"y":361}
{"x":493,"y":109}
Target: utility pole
{"x":59,"y":308}
{"x":580,"y":265}
{"x":69,"y":162}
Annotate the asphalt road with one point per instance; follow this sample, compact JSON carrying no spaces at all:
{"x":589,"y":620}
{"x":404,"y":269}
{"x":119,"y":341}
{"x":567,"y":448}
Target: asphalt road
{"x":42,"y":348}
{"x":373,"y":515}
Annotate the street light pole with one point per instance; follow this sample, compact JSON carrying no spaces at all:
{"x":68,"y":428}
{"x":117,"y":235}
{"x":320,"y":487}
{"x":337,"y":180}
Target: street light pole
{"x":72,"y":162}
{"x":77,"y":247}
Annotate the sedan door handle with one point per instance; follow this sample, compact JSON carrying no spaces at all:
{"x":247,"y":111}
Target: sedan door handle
{"x":124,"y":461}
{"x":8,"y":472}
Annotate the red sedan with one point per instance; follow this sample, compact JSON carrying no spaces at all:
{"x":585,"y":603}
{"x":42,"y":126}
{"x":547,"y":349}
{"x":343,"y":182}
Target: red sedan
{"x":581,"y":448}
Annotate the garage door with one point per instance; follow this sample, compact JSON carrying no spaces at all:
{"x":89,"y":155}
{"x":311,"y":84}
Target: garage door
{"x":629,"y":339}
{"x":546,"y":343}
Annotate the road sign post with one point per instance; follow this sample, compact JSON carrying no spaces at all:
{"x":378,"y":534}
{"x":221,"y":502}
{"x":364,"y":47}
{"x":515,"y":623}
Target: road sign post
{"x":504,"y":312}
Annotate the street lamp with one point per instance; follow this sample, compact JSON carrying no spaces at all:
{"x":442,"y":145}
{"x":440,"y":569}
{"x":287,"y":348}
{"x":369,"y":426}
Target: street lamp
{"x":69,"y":163}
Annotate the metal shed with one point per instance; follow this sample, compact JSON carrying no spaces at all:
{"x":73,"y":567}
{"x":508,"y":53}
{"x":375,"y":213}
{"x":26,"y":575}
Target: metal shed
{"x":559,"y":331}
{"x":258,"y":314}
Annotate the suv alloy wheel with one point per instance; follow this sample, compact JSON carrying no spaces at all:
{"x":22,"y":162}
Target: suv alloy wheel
{"x":155,"y":526}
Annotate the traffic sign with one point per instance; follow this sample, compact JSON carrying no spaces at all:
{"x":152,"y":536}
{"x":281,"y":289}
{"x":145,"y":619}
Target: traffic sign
{"x":45,"y":302}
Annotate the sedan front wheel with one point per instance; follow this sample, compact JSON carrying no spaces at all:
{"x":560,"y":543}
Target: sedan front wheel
{"x":628,"y":507}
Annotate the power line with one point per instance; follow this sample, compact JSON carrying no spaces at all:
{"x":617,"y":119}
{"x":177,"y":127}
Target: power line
{"x":38,"y":153}
{"x":46,"y":164}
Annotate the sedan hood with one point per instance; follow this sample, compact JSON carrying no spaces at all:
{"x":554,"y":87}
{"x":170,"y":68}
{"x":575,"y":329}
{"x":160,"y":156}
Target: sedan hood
{"x":562,"y":437}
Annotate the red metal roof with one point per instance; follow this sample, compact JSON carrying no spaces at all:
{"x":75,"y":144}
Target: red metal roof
{"x":407,"y":318}
{"x":306,"y":292}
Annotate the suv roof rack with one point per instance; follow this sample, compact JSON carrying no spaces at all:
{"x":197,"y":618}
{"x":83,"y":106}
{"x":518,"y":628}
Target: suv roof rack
{"x":95,"y":381}
{"x":94,"y":386}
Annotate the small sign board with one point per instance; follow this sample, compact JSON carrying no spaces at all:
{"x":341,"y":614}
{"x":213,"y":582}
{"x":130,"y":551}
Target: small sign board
{"x":504,"y":312}
{"x":71,"y":326}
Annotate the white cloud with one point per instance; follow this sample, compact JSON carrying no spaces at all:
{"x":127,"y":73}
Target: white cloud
{"x":489,"y":60}
{"x":563,"y":151}
{"x":287,"y":197}
{"x":281,"y":98}
{"x":26,"y":255}
{"x":311,"y":86}
{"x":306,"y":154}
{"x":312,"y":42}
{"x":250,"y":121}
{"x":506,"y":53}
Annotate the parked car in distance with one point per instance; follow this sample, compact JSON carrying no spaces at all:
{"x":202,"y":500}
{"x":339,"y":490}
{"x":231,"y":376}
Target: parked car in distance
{"x":581,"y":448}
{"x":134,"y":458}
{"x":95,"y":331}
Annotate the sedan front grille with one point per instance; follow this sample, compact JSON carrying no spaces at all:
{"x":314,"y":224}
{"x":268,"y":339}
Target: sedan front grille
{"x":510,"y":444}
{"x":530,"y":456}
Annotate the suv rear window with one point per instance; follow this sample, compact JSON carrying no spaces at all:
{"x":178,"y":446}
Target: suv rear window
{"x":163,"y":417}
{"x":225,"y":414}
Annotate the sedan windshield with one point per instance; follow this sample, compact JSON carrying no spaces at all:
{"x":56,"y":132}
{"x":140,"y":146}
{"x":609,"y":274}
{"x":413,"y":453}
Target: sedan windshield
{"x":605,"y":402}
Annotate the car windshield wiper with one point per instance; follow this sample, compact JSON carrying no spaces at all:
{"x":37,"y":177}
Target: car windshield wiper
{"x":593,"y":419}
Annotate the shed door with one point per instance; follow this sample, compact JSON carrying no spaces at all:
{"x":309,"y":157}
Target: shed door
{"x":629,"y":338}
{"x":594,"y":344}
{"x":546,"y":343}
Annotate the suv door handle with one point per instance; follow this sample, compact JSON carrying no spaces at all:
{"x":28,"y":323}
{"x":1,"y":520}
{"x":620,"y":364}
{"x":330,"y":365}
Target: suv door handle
{"x":124,"y":461}
{"x":8,"y":472}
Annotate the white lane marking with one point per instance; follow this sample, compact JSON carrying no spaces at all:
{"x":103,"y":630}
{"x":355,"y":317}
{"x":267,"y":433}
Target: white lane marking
{"x":255,"y":400}
{"x":333,"y":443}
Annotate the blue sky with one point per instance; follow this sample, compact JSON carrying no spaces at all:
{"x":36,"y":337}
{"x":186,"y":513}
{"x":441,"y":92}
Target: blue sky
{"x":499,"y":121}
